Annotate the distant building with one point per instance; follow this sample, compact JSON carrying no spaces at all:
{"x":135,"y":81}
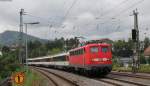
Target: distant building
{"x":125,"y":61}
{"x":13,"y":47}
{"x":147,"y":52}
{"x":1,"y":53}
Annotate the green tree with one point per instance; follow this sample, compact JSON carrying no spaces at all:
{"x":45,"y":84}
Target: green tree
{"x":146,"y":42}
{"x":8,"y":63}
{"x":5,"y":49}
{"x":54,"y":51}
{"x":121,"y":45}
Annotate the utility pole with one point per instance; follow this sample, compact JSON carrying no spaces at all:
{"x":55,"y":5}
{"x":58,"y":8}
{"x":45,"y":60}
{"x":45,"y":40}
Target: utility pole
{"x":135,"y":38}
{"x":21,"y":37}
{"x":26,"y":41}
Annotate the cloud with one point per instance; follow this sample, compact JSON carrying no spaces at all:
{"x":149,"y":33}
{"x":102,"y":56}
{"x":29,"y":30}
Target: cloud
{"x":88,"y":18}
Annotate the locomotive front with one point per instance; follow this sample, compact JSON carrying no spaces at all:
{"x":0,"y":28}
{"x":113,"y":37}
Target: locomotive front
{"x":99,"y":58}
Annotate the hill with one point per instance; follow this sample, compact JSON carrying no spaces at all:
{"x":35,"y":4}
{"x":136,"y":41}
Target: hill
{"x":11,"y":37}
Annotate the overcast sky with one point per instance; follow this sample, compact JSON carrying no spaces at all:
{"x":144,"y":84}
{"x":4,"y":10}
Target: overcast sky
{"x":91,"y":19}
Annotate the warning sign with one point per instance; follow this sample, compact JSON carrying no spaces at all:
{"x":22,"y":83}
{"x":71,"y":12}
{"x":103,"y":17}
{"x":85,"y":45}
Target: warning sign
{"x":18,"y":78}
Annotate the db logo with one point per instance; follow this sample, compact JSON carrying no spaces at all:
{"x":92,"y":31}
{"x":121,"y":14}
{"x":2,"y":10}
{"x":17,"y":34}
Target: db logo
{"x":18,"y":78}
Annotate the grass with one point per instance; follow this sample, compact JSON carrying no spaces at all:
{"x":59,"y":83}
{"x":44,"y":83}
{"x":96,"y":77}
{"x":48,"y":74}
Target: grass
{"x":143,"y":68}
{"x":33,"y":78}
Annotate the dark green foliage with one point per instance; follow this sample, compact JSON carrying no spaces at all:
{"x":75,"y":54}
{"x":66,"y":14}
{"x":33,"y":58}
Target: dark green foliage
{"x":5,"y":49}
{"x":71,"y":43}
{"x":123,"y":48}
{"x":142,"y":59}
{"x":36,"y":48}
{"x":8,"y":63}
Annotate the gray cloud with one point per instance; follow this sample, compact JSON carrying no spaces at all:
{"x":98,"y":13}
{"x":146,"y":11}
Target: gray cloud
{"x":89,"y":18}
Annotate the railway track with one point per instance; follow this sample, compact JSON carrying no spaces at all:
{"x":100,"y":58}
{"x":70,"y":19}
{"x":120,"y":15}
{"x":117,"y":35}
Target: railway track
{"x":123,"y":79}
{"x":129,"y":79}
{"x":131,"y":75}
{"x":57,"y":80}
{"x":46,"y":73}
{"x":120,"y":82}
{"x":60,"y":78}
{"x":109,"y":82}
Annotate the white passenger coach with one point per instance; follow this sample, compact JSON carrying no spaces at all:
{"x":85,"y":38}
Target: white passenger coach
{"x":54,"y":60}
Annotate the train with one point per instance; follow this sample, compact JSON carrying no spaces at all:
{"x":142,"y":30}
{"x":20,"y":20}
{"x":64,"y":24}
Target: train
{"x":90,"y":59}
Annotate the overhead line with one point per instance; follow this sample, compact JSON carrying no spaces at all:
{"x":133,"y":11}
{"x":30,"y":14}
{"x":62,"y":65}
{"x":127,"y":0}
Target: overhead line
{"x":119,"y":13}
{"x":67,"y":12}
{"x":123,"y":2}
{"x":38,"y":17}
{"x":139,"y":2}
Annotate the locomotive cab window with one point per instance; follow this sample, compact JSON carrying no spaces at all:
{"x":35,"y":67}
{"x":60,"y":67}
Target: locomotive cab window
{"x":94,"y":49}
{"x":105,"y":49}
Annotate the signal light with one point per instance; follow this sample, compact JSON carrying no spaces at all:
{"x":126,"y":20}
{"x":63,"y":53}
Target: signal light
{"x":134,"y":34}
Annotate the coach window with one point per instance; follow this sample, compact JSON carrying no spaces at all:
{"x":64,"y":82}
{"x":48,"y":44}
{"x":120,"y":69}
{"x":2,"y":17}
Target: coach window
{"x":94,"y":49}
{"x":30,"y":61}
{"x":78,"y":52}
{"x":73,"y":52}
{"x":81,"y":51}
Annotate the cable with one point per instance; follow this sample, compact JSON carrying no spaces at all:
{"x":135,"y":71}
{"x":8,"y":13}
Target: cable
{"x":67,"y":12}
{"x":37,"y":17}
{"x":107,"y":12}
{"x":119,"y":13}
{"x":139,"y":2}
{"x":116,"y":6}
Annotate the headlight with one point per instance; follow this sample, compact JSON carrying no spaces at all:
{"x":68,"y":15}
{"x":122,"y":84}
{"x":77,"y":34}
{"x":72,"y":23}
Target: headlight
{"x":101,"y":59}
{"x":105,"y":59}
{"x":96,"y":59}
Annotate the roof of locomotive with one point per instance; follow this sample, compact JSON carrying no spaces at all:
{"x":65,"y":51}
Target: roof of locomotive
{"x":89,"y":45}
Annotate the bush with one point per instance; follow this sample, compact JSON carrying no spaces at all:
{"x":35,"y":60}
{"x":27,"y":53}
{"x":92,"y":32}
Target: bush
{"x":8,"y":64}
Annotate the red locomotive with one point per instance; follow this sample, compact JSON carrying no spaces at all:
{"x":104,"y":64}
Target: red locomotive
{"x":92,"y":57}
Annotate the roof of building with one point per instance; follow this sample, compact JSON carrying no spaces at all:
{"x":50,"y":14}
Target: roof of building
{"x":147,"y":51}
